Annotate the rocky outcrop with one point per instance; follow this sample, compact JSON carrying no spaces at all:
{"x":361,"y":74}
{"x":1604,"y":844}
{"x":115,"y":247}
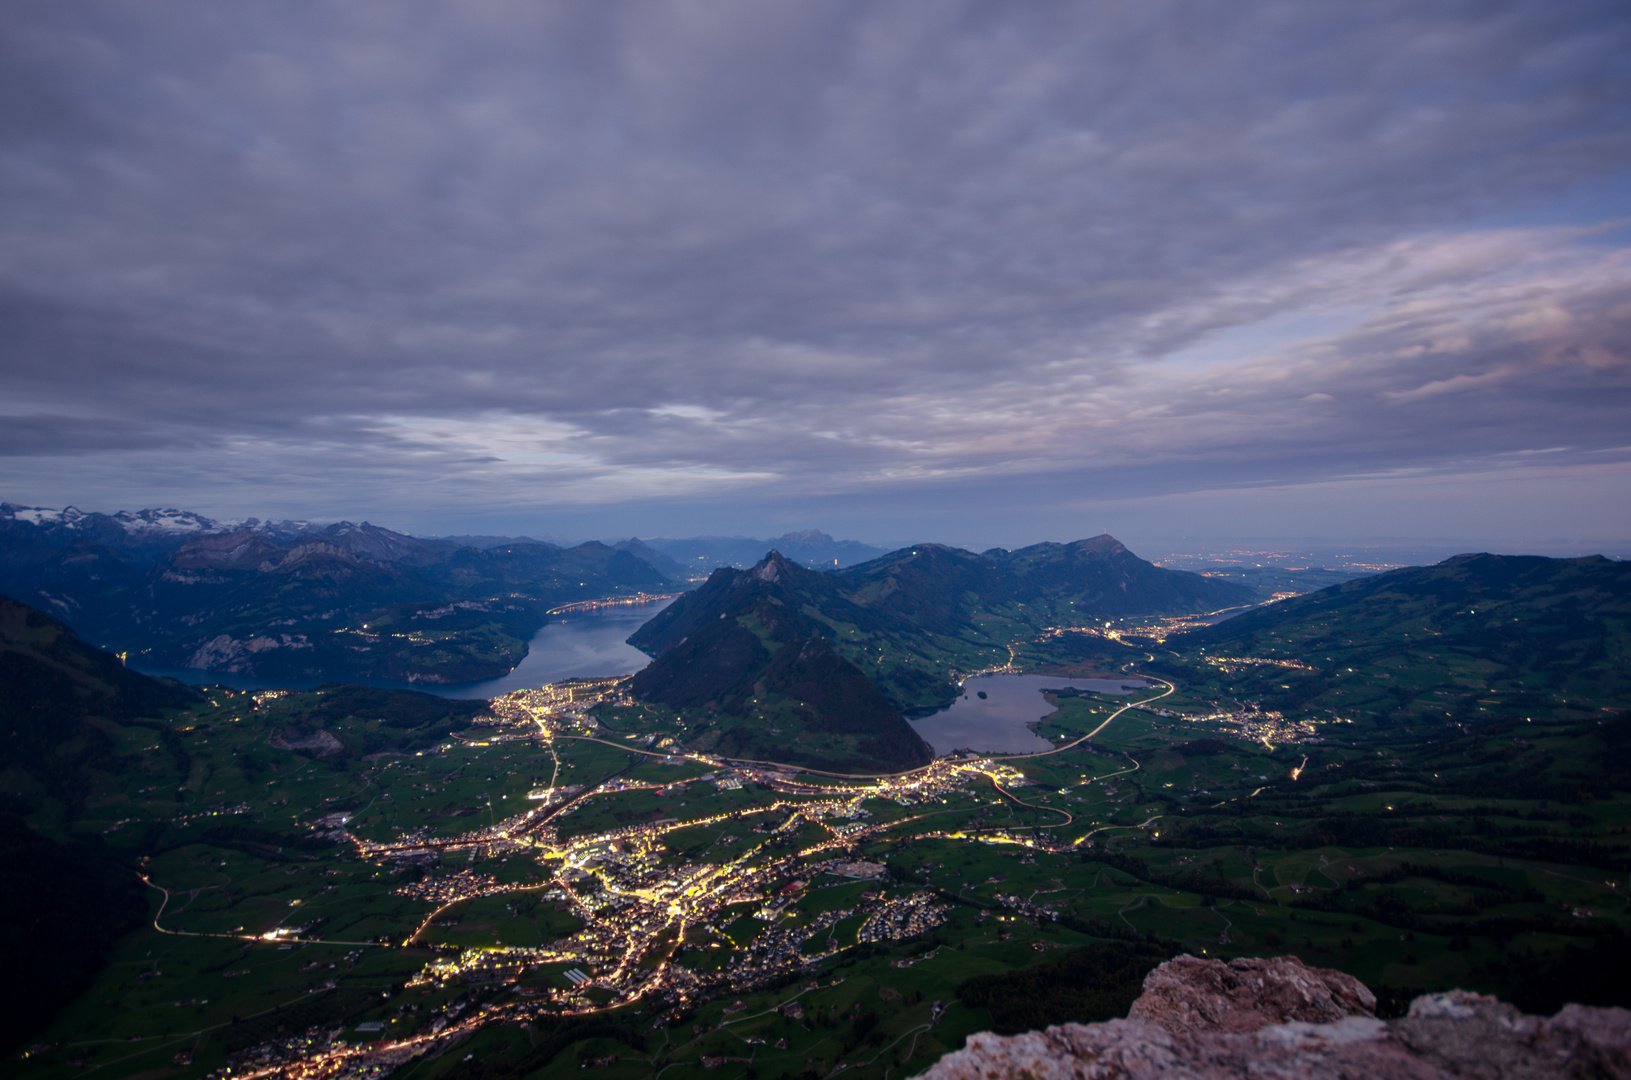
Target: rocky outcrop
{"x":1475,"y":1036}
{"x":1189,"y":995}
{"x":1208,"y":1020}
{"x":227,"y":653}
{"x":240,"y":550}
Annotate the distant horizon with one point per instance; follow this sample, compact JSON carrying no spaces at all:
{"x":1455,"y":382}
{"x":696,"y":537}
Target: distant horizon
{"x":1165,"y":549}
{"x":979,"y":272}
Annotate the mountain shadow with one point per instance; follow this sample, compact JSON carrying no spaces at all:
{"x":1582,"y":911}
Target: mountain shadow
{"x":65,"y":903}
{"x":56,"y":688}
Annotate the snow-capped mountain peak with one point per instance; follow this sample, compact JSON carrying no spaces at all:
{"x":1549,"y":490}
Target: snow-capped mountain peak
{"x":41,"y":515}
{"x":170,"y":521}
{"x":150,"y":522}
{"x":163,"y":526}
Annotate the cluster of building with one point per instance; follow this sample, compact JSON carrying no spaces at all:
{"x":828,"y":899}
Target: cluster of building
{"x":462,"y":885}
{"x":1026,"y":907}
{"x":633,"y":600}
{"x":1231,"y":664}
{"x":903,"y":917}
{"x":486,"y":965}
{"x":559,"y":708}
{"x":1267,"y":726}
{"x":218,"y":810}
{"x":317,"y":1055}
{"x":647,"y":918}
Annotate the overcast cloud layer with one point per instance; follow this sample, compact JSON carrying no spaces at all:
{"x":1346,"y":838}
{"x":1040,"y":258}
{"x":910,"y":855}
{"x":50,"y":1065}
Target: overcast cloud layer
{"x":980,"y":271}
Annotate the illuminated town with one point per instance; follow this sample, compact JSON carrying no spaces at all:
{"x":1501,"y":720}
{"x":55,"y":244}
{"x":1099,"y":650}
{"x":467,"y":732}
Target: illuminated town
{"x":657,"y":927}
{"x":568,"y":853}
{"x":646,"y":916}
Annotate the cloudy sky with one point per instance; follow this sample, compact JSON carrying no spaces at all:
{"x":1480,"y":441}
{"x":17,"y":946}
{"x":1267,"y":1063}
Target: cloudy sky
{"x":982,"y":272}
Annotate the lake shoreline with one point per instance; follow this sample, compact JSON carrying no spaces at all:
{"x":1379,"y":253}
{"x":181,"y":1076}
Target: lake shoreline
{"x":575,"y":646}
{"x":1001,"y":713}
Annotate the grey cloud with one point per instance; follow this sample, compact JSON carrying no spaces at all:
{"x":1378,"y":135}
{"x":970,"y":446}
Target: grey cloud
{"x":612,"y":251}
{"x":45,"y":435}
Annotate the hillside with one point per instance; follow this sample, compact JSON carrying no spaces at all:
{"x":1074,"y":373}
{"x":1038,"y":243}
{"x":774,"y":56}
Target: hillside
{"x":950,"y":589}
{"x":82,"y":731}
{"x":418,"y":874}
{"x":57,"y":690}
{"x":916,"y":619}
{"x":66,"y":902}
{"x":891,"y":634}
{"x":72,"y":715}
{"x":287,"y":600}
{"x":743,"y":654}
{"x":1473,"y":635}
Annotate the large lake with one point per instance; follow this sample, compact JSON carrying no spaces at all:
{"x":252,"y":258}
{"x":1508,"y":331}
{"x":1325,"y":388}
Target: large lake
{"x":997,"y":722}
{"x":569,"y":647}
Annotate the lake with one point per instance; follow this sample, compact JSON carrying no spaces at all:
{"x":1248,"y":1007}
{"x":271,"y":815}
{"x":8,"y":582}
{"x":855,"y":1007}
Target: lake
{"x":573,"y":646}
{"x":997,"y":722}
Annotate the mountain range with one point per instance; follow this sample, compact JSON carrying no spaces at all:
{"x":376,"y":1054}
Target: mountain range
{"x":695,"y":556}
{"x":916,"y":617}
{"x":299,"y":601}
{"x":782,"y":663}
{"x":800,"y":665}
{"x":292,"y":599}
{"x":748,"y":650}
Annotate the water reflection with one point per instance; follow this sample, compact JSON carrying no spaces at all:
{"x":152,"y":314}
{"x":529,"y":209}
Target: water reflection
{"x":573,"y":647}
{"x":994,"y":710}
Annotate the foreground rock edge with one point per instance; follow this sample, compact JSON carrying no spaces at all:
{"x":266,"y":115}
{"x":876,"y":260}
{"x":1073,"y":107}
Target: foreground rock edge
{"x":1203,"y":1019}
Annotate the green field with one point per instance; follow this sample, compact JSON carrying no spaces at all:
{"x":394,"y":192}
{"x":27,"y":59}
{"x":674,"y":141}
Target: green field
{"x":1487,"y":853}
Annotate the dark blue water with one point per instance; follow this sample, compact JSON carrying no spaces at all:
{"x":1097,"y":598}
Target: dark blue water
{"x":579,"y":646}
{"x":997,"y":723}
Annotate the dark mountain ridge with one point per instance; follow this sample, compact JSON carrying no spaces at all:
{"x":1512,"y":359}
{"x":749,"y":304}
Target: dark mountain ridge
{"x":855,"y":646}
{"x":1519,"y":627}
{"x":947,"y":587}
{"x":914,"y":617}
{"x":344,"y":600}
{"x":653,"y":558}
{"x":811,"y":604}
{"x":54,"y":684}
{"x":78,"y":728}
{"x":745,"y":650}
{"x":67,"y":900}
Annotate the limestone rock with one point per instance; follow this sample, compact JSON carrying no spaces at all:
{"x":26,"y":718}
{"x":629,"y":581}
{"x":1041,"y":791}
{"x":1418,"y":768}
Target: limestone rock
{"x":1195,"y":1022}
{"x":1482,"y":1038}
{"x":1190,"y":994}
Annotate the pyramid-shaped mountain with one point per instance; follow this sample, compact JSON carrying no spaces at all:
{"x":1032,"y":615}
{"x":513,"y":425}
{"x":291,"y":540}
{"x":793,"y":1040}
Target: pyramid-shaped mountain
{"x":743,"y":650}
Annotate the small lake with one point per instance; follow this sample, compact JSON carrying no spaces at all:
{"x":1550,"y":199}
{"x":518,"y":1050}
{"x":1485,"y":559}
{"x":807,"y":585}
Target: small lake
{"x":997,"y":722}
{"x":577,"y":646}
